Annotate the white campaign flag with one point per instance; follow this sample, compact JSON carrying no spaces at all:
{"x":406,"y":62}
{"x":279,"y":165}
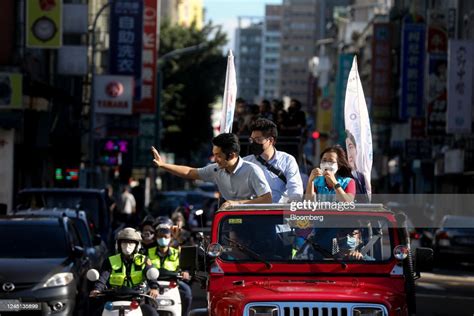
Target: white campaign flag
{"x":356,"y":119}
{"x":230,"y":94}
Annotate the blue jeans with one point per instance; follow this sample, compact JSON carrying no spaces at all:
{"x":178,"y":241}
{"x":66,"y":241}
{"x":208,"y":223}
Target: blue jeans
{"x":186,"y":297}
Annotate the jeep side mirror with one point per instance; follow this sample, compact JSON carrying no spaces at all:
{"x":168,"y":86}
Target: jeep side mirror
{"x":423,"y":259}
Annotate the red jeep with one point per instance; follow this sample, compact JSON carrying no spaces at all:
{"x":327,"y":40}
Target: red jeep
{"x":268,"y":260}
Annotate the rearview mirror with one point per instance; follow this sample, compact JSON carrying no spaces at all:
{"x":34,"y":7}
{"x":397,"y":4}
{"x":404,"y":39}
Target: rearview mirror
{"x":423,"y":259}
{"x":92,"y":275}
{"x":152,"y":274}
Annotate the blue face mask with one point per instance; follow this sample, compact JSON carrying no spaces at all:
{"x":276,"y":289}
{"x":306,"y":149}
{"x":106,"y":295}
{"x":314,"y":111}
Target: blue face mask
{"x":352,"y":242}
{"x":164,"y":242}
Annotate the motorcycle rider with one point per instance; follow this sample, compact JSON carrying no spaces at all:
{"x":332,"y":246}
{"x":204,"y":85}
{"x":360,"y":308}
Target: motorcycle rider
{"x":147,"y":230}
{"x":165,"y":257}
{"x":127,"y":268}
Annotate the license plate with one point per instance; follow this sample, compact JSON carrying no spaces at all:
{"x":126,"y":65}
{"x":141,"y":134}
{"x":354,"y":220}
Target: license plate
{"x":16,"y":306}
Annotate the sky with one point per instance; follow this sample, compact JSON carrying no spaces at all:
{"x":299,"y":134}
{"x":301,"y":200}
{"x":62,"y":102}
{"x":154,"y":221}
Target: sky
{"x":225,"y":13}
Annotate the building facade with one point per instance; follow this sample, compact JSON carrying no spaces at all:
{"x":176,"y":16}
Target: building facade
{"x":248,"y":49}
{"x":270,"y":56}
{"x":299,"y":33}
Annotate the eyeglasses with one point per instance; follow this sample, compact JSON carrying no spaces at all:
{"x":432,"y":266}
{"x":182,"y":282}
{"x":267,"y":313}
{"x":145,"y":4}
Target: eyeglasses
{"x":258,"y":140}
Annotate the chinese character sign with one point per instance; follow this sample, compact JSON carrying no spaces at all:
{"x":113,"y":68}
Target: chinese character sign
{"x":381,"y":70}
{"x":126,"y":30}
{"x":460,"y":76}
{"x":437,"y":44}
{"x":412,"y":70}
{"x":149,"y":53}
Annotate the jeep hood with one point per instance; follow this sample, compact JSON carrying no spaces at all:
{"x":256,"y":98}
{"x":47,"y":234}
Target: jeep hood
{"x":350,"y":290}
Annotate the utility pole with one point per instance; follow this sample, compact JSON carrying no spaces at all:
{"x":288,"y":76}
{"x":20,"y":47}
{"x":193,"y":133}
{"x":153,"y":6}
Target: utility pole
{"x":92,"y":117}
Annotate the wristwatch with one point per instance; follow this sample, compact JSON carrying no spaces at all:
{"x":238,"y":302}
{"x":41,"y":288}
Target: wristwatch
{"x":337,"y":186}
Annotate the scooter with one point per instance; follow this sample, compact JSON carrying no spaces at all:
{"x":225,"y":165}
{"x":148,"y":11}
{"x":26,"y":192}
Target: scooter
{"x":169,"y":301}
{"x":123,"y":301}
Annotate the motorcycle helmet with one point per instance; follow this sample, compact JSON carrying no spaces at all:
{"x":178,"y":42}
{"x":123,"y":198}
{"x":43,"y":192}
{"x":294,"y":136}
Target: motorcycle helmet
{"x":128,"y":234}
{"x":163,"y":220}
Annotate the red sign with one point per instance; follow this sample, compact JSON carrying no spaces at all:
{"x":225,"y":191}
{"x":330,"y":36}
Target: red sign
{"x":149,"y":56}
{"x":381,"y":70}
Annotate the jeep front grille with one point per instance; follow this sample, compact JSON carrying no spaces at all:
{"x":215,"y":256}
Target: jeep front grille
{"x":315,"y":308}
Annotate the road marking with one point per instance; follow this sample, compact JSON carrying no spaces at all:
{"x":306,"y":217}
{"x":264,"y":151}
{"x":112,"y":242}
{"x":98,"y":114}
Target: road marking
{"x":444,"y":296}
{"x":444,"y":277}
{"x":430,"y":286}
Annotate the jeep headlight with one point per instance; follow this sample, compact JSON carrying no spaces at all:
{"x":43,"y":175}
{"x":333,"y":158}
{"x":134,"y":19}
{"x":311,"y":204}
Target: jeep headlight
{"x":59,"y":279}
{"x":263,"y":311}
{"x":367,"y":311}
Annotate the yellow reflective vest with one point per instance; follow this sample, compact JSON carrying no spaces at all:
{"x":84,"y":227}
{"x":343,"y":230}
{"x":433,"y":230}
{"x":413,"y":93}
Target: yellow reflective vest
{"x":119,"y":277}
{"x":171,"y":261}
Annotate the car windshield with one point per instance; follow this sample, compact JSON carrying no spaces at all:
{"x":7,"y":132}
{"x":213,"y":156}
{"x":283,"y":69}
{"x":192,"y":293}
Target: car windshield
{"x":83,"y":232}
{"x":278,"y":239}
{"x":39,"y":240}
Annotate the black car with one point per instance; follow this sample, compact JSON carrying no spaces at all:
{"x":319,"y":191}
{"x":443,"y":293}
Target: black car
{"x":454,"y":240}
{"x":92,"y":201}
{"x":42,"y":264}
{"x":94,"y":247}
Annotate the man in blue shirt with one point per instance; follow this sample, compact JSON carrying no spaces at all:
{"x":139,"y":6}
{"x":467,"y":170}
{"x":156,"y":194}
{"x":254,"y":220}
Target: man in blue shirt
{"x":238,"y":181}
{"x":280,"y":168}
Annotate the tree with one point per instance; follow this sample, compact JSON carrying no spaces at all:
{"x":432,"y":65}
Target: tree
{"x":191,"y":83}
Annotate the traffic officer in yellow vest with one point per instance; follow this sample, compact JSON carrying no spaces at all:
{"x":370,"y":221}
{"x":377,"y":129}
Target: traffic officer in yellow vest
{"x":165,"y":257}
{"x":127,"y":268}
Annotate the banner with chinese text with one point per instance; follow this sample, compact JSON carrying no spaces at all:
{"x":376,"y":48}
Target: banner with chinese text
{"x":412,"y":70}
{"x":126,"y":33}
{"x":147,"y":104}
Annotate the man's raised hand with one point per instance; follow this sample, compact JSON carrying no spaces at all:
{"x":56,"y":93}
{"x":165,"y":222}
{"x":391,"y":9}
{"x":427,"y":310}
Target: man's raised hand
{"x":157,"y":160}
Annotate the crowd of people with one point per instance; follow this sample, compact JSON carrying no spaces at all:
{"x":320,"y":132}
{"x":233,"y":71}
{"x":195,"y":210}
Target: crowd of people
{"x":291,"y":122}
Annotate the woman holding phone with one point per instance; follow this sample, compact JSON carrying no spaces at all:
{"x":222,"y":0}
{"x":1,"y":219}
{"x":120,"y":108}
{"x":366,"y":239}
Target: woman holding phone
{"x":332,"y":180}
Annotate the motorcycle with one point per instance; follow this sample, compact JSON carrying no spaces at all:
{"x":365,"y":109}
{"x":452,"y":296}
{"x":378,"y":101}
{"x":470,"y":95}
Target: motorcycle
{"x":124,"y":301}
{"x":169,"y":301}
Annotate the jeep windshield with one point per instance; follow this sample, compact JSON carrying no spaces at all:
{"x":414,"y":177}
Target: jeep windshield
{"x":329,"y":238}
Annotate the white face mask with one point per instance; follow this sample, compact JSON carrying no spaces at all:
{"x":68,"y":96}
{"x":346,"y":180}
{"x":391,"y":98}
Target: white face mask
{"x":164,"y":242}
{"x":127,"y":248}
{"x":329,"y":166}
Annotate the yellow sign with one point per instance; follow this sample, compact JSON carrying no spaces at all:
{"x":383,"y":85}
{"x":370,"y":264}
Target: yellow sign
{"x":235,"y":221}
{"x":44,"y":23}
{"x":11,"y":91}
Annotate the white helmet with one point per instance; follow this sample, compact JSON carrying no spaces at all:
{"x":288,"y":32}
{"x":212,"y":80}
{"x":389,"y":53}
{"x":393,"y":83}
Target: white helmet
{"x":128,"y":233}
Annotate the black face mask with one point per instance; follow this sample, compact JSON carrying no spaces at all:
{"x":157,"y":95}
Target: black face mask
{"x":256,"y":149}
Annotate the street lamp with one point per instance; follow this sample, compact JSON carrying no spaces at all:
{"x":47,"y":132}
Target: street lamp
{"x":92,"y":116}
{"x":161,"y":62}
